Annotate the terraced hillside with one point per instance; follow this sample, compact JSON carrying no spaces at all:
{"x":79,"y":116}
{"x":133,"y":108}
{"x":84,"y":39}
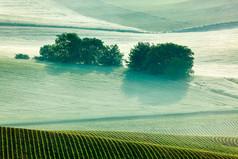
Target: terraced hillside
{"x":24,"y":143}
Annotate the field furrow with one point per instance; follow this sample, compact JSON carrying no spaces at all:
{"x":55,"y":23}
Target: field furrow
{"x":16,"y":143}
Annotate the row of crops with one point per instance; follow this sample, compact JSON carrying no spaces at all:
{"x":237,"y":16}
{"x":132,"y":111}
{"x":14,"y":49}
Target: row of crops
{"x":218,"y":144}
{"x":18,"y":143}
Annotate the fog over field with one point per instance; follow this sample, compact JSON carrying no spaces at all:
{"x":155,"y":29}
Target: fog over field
{"x":45,"y":95}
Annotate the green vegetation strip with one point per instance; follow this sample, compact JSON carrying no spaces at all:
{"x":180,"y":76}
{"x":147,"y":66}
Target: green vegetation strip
{"x":218,"y":144}
{"x":23,"y":143}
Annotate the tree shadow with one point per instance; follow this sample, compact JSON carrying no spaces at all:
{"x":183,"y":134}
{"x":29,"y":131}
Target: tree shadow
{"x":153,"y":90}
{"x":56,"y":69}
{"x":147,"y":89}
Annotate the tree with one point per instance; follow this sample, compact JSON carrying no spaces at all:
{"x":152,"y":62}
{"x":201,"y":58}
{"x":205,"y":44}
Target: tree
{"x":165,"y":59}
{"x":178,"y":68}
{"x":91,"y":49}
{"x":138,"y":55}
{"x":69,"y":48}
{"x":22,"y":56}
{"x":47,"y":52}
{"x":111,"y":56}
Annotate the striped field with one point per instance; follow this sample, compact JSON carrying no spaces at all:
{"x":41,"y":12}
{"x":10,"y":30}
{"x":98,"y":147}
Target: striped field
{"x":24,"y":143}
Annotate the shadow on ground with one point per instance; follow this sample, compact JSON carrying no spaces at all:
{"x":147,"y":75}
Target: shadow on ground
{"x":147,"y":89}
{"x":153,"y":90}
{"x":60,"y":68}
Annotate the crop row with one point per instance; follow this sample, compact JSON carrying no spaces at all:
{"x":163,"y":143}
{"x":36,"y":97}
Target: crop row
{"x":35,"y":144}
{"x":208,"y":143}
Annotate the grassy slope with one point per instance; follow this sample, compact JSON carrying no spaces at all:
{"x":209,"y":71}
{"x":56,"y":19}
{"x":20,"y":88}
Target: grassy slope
{"x":158,"y":15}
{"x":41,"y":91}
{"x":23,"y":143}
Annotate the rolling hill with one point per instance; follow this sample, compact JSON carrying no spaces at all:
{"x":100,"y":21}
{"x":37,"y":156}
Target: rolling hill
{"x":47,"y":13}
{"x":79,"y":98}
{"x":158,"y":15}
{"x":26,"y":143}
{"x":85,"y":97}
{"x":151,"y":15}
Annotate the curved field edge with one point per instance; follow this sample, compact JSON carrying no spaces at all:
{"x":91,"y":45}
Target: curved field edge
{"x":218,"y":144}
{"x":26,"y":143}
{"x":212,"y":27}
{"x":22,"y":25}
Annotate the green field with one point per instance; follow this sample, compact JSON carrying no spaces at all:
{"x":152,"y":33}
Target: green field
{"x":26,"y":143}
{"x":158,"y":15}
{"x":54,"y":110}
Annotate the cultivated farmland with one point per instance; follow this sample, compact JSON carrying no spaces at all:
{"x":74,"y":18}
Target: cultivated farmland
{"x":70,"y":111}
{"x":25,"y":143}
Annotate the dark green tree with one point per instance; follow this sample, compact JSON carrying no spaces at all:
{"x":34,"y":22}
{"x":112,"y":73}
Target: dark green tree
{"x":165,"y":59}
{"x":67,"y":47}
{"x":22,"y":56}
{"x":47,"y":52}
{"x":111,"y":56}
{"x":170,"y":59}
{"x":138,"y":55}
{"x":178,"y":68}
{"x":90,"y":50}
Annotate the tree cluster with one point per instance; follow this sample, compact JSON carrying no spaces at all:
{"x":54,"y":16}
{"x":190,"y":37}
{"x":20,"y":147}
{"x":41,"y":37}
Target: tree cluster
{"x":69,"y":48}
{"x":22,"y":56}
{"x":165,"y":59}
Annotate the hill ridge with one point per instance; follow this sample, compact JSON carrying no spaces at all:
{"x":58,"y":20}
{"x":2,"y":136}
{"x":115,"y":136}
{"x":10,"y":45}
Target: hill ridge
{"x":212,"y":27}
{"x":26,"y":143}
{"x":67,"y":27}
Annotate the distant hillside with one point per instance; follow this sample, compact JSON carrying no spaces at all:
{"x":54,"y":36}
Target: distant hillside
{"x":25,"y":143}
{"x":133,"y":15}
{"x":158,"y":15}
{"x":46,"y":13}
{"x":220,"y":26}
